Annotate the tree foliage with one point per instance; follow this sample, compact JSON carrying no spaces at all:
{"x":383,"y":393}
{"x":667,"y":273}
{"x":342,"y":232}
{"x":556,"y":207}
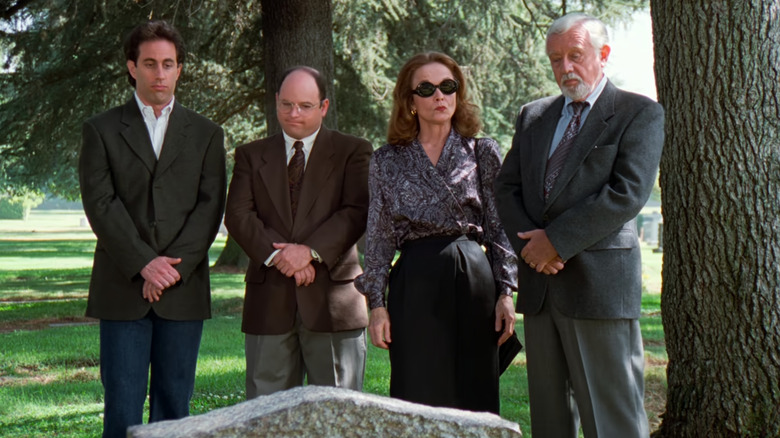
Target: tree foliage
{"x":62,"y":62}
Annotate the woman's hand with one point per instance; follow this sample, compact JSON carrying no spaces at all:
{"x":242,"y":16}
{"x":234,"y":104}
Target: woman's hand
{"x":505,"y":317}
{"x":379,"y":327}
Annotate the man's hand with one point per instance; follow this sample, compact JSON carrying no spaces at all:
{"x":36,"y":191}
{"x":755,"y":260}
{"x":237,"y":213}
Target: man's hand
{"x":553,"y":267}
{"x":505,"y":317}
{"x":305,"y":276}
{"x":292,"y":258}
{"x":379,"y":328}
{"x":160,"y":272}
{"x":539,"y":253}
{"x":151,"y":293}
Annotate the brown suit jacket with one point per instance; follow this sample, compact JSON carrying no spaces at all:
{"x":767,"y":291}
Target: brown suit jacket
{"x":140,"y":207}
{"x":331,"y":217}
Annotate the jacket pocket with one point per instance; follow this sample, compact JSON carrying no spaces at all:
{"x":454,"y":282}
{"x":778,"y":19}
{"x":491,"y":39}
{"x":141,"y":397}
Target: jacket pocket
{"x":255,"y":275}
{"x":623,"y":238}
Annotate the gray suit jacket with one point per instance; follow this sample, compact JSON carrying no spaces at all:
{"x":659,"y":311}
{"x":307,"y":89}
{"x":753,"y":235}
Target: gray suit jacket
{"x":140,"y":207}
{"x":331,"y":217}
{"x":590,"y":214}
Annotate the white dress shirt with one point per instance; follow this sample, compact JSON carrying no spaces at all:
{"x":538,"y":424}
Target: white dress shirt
{"x":308,"y":144}
{"x":155,"y":125}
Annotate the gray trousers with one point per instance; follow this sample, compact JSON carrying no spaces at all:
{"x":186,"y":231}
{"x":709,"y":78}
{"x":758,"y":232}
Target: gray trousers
{"x":278,"y":362}
{"x":588,"y":371}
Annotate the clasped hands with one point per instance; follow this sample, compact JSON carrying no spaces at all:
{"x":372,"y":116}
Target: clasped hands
{"x":159,"y":274}
{"x":294,"y":260}
{"x":539,"y":253}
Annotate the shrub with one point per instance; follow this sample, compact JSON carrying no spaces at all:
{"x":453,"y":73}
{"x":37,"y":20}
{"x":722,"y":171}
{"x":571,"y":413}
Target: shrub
{"x":18,"y":207}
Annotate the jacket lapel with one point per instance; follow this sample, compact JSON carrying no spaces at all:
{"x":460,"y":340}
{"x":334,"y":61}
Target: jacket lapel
{"x":591,"y":131}
{"x":175,"y":137}
{"x":273,"y":172}
{"x":136,"y":135}
{"x":318,"y":169}
{"x":541,"y":139}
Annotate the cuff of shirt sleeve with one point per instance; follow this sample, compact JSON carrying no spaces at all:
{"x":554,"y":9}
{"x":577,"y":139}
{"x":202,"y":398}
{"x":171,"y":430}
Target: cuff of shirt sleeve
{"x":376,"y":300}
{"x":270,"y":260}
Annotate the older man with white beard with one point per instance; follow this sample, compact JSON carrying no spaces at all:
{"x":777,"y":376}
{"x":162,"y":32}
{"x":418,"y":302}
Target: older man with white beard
{"x":581,"y":167}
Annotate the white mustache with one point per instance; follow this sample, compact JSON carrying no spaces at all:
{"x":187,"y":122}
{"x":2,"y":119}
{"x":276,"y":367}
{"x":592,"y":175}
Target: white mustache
{"x":569,"y":76}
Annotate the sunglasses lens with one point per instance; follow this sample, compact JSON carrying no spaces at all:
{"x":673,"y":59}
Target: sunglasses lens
{"x":448,"y":87}
{"x":426,"y":89}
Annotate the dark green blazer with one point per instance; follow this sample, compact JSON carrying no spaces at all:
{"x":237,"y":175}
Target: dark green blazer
{"x":140,"y":207}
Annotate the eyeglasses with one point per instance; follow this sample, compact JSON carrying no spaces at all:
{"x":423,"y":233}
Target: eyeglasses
{"x":303,"y":108}
{"x":426,"y":89}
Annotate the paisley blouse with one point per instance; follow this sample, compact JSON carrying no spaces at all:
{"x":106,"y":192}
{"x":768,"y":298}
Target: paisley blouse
{"x":410,"y":198}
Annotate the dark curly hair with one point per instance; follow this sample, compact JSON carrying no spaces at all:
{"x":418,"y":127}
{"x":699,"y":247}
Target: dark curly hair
{"x":152,"y":30}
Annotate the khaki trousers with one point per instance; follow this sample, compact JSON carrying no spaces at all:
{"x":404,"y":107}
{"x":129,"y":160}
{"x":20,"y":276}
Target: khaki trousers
{"x":278,"y":362}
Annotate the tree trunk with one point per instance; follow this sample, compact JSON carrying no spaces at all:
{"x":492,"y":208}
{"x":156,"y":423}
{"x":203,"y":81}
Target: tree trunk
{"x":232,"y":257}
{"x":297,"y":32}
{"x":717,"y":75}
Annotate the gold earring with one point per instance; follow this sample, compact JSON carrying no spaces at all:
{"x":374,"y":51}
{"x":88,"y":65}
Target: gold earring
{"x":413,"y":111}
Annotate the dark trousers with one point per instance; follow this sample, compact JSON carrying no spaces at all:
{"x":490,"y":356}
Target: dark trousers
{"x":442,"y":318}
{"x":127,"y":351}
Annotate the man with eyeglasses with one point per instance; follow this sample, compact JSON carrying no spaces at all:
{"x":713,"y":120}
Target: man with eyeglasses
{"x":297,"y":205}
{"x":581,"y":167}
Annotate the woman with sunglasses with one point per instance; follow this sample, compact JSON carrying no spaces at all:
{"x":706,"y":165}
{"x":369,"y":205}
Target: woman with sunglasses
{"x":449,"y":306}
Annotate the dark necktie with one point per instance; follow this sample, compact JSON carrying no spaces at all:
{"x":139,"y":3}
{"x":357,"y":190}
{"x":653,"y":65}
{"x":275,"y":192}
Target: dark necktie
{"x":295,"y":175}
{"x":558,"y":158}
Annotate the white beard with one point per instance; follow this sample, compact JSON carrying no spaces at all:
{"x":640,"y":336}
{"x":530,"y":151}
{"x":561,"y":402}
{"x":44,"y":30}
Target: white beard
{"x":579,"y":91}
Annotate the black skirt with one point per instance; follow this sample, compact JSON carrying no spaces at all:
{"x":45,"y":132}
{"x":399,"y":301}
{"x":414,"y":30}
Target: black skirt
{"x":442,"y":324}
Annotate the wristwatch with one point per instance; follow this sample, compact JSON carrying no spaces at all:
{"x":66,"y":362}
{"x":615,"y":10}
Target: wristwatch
{"x":315,"y":256}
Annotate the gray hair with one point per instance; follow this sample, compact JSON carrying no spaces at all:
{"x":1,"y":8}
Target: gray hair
{"x":595,"y":27}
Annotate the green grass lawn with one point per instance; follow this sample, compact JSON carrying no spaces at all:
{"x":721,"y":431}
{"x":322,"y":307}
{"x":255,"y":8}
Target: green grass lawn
{"x":49,"y":380}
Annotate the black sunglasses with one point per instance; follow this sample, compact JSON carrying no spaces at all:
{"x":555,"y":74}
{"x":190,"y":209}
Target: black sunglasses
{"x":426,"y":89}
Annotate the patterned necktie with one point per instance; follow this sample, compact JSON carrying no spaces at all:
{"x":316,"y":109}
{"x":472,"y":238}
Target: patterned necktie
{"x":295,"y":175}
{"x":556,"y":160}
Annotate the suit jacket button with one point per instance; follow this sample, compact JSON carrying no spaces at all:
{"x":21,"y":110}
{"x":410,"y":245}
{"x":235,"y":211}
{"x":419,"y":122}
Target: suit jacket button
{"x":152,"y":224}
{"x":546,"y":218}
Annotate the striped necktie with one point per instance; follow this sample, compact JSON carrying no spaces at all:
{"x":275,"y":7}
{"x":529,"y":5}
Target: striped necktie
{"x":558,"y":158}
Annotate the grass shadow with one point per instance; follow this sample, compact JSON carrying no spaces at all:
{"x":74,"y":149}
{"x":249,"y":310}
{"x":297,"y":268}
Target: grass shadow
{"x":37,"y":284}
{"x":47,"y":248}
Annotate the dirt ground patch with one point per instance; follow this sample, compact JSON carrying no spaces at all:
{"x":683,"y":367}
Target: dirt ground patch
{"x":76,"y":375}
{"x":44,"y":323}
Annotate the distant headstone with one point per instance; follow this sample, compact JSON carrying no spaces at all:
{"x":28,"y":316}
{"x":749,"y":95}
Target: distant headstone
{"x":660,"y":247}
{"x":650,"y":227}
{"x":324,"y":412}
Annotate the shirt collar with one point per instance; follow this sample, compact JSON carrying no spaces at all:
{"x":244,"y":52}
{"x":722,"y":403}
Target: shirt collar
{"x":308,"y":142}
{"x":148,"y":112}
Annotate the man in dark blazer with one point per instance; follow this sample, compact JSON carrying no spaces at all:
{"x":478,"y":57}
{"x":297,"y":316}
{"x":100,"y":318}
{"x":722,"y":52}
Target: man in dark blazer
{"x":570,"y":215}
{"x":152,"y":177}
{"x":297,"y":204}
